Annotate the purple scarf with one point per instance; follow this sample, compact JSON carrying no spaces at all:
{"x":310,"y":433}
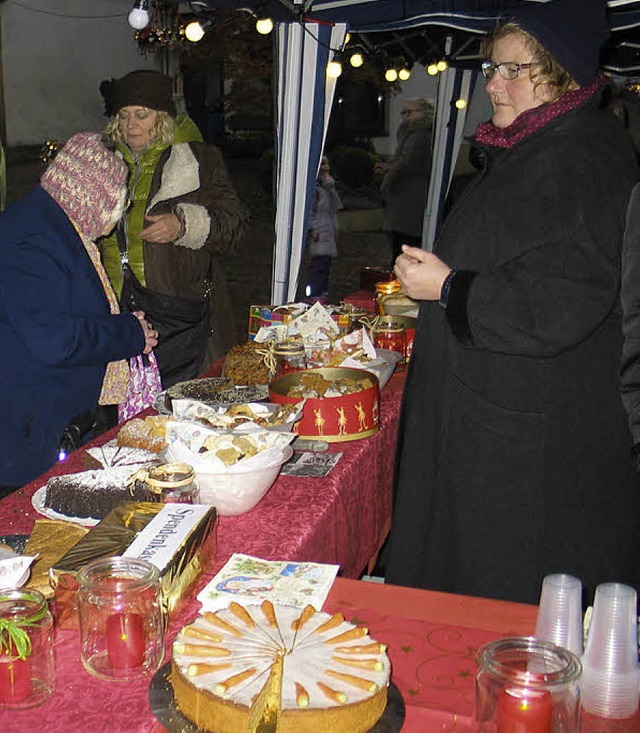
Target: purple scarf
{"x":532,"y":120}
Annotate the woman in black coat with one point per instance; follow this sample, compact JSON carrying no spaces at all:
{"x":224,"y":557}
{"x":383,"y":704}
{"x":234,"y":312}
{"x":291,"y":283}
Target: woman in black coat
{"x":514,"y":454}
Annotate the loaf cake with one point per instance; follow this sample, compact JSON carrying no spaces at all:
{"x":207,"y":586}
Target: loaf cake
{"x":148,"y":433}
{"x":310,"y":670}
{"x":94,"y":493}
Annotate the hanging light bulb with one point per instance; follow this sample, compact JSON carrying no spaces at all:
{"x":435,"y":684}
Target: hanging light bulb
{"x":404,"y":74}
{"x":356,"y":59}
{"x":194,"y":31}
{"x":442,"y":65}
{"x":432,"y":69}
{"x":391,"y":74}
{"x":334,"y":69}
{"x":460,"y":103}
{"x":139,"y":16}
{"x":264,"y":26}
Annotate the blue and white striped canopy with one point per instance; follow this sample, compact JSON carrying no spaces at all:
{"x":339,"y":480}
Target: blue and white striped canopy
{"x":307,"y":31}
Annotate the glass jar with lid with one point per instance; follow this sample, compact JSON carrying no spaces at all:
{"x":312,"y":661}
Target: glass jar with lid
{"x":173,"y":483}
{"x":27,"y":669}
{"x":289,"y":357}
{"x":524,"y":684}
{"x":383,"y":290}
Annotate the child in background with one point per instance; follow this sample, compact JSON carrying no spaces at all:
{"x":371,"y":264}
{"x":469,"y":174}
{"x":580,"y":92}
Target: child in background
{"x":323,"y":233}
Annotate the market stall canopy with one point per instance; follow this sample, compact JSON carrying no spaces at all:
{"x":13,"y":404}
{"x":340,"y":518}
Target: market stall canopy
{"x":310,"y":32}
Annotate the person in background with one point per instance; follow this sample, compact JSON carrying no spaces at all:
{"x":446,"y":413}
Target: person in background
{"x":513,"y":454}
{"x":406,"y":181}
{"x":322,"y":235}
{"x":64,"y":341}
{"x":184,"y":213}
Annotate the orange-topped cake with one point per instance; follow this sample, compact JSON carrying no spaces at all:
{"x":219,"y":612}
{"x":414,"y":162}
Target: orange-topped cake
{"x":312,"y":670}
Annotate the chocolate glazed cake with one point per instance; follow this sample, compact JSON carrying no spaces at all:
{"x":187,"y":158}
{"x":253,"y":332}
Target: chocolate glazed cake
{"x":94,"y":493}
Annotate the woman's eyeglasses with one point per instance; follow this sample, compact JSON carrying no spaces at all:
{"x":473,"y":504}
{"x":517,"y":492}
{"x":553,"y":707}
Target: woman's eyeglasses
{"x":508,"y":70}
{"x":408,"y":111}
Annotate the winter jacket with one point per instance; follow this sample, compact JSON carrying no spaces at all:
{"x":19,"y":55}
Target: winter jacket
{"x":189,"y":178}
{"x":323,"y":219}
{"x":406,"y":183}
{"x":56,"y":331}
{"x":514,"y":454}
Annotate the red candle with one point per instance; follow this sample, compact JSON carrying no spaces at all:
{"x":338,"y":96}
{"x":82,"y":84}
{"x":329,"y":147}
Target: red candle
{"x":524,"y":711}
{"x":15,"y":679}
{"x":125,"y":640}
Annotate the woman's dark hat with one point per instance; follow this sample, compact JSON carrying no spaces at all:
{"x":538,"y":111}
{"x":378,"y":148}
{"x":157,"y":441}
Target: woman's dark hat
{"x":571,"y":30}
{"x":140,"y":88}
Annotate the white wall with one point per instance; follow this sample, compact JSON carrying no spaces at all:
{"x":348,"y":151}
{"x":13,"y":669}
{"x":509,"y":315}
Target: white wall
{"x":54,"y":60}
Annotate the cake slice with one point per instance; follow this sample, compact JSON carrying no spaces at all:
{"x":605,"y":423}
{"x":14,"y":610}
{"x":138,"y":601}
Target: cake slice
{"x":93,"y":494}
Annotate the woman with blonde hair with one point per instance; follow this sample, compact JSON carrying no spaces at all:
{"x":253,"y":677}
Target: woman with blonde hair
{"x":184,"y":213}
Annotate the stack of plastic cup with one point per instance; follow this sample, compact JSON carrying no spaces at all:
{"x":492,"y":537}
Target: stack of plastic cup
{"x":609,"y":682}
{"x":560,"y":612}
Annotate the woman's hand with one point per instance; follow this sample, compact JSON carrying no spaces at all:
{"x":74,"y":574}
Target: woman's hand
{"x":150,"y":335}
{"x":162,"y":229}
{"x":420,"y":273}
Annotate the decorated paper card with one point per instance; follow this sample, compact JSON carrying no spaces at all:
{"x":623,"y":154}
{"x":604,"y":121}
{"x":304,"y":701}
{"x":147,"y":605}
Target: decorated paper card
{"x":250,"y":580}
{"x":315,"y":320}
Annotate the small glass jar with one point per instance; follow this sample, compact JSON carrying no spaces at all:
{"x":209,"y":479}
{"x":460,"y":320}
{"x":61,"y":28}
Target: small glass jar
{"x":526,"y":685}
{"x":121,"y":618}
{"x":384,"y":289}
{"x":289,"y":356}
{"x":174,"y":483}
{"x":317,"y":354}
{"x":389,"y":335}
{"x":27,"y":667}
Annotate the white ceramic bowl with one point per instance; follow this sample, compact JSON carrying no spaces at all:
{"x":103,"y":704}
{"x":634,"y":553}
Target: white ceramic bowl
{"x":238,"y":492}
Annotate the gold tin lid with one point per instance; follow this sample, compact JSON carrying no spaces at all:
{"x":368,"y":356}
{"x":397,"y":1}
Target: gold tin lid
{"x":387,"y":287}
{"x":289,"y":348}
{"x":169,"y":476}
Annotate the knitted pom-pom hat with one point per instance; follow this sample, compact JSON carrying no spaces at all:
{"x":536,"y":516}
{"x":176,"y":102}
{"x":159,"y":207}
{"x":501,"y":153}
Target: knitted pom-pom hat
{"x":572,"y":31}
{"x":87,"y":181}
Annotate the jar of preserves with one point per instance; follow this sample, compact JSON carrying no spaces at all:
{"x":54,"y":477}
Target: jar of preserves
{"x":389,"y":335}
{"x":289,"y":357}
{"x":174,"y":483}
{"x":27,"y":669}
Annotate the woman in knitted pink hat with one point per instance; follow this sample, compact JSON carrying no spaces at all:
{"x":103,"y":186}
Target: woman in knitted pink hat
{"x":65,"y":344}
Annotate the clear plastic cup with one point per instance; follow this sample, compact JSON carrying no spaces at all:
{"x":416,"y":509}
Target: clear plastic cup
{"x":609,"y":682}
{"x":560,"y":612}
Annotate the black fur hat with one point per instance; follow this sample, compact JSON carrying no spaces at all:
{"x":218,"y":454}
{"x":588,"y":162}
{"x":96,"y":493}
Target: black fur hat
{"x":141,"y":88}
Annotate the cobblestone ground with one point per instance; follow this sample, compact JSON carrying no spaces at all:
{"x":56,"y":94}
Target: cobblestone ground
{"x":249,"y":272}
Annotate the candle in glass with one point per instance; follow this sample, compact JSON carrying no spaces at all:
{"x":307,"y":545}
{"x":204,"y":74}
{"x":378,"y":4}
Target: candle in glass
{"x":15,"y":678}
{"x":125,"y":640}
{"x":524,"y":711}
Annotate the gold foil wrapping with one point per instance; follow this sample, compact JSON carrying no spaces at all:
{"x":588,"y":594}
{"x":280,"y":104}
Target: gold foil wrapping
{"x":112,"y":536}
{"x":49,"y":540}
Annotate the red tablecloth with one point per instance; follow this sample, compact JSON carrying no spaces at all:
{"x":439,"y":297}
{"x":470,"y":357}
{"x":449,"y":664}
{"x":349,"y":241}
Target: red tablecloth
{"x":340,"y":519}
{"x":432,"y":640}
